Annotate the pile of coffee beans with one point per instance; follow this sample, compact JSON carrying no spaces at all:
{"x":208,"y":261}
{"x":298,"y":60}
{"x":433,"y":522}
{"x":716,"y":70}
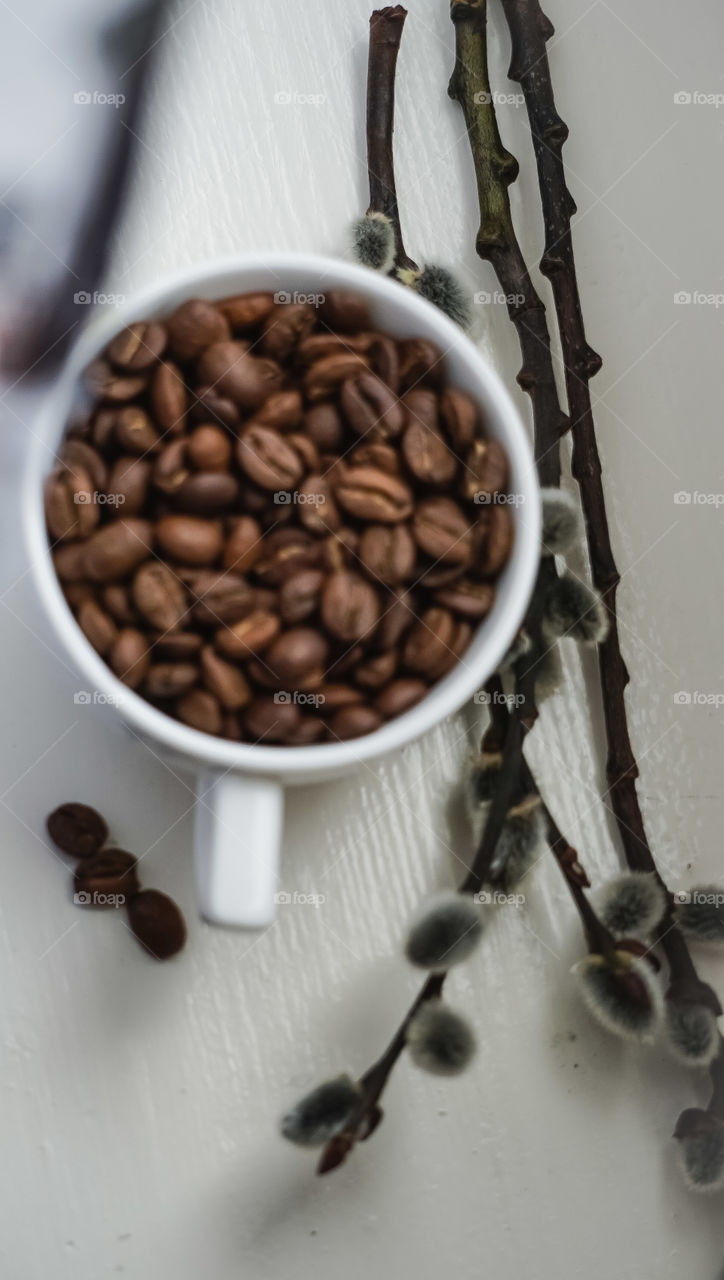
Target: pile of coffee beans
{"x":275,"y":522}
{"x":108,"y":877}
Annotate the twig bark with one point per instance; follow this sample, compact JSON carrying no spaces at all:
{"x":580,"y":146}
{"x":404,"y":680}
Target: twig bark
{"x":385,"y":36}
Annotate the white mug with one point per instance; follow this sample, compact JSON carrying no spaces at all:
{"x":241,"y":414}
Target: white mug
{"x":241,"y":786}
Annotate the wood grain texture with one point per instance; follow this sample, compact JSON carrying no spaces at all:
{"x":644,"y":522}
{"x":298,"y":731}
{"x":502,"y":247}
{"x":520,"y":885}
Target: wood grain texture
{"x":141,"y":1100}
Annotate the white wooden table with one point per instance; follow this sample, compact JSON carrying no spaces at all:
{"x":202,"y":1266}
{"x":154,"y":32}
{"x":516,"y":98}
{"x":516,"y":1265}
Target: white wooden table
{"x":140,"y":1100}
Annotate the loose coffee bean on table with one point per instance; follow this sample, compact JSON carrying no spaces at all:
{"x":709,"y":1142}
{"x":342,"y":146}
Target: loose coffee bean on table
{"x":276,"y":523}
{"x":77,"y":829}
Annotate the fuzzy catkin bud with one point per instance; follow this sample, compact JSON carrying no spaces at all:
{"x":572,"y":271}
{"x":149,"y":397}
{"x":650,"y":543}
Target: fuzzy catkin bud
{"x":701,"y":1149}
{"x":624,"y":996}
{"x":484,"y":777}
{"x":442,"y":289}
{"x":575,"y":610}
{"x":445,"y":932}
{"x":373,"y":241}
{"x":631,"y":904}
{"x":548,"y":673}
{"x":519,"y":844}
{"x":561,"y":522}
{"x":440,"y":1040}
{"x":521,"y":645}
{"x":319,"y":1115}
{"x":691,"y":1033}
{"x":700,"y":914}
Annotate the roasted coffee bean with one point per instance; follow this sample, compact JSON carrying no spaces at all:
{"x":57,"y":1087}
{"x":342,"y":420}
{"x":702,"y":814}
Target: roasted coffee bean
{"x":371,"y":409}
{"x":371,"y":494}
{"x":200,"y":709}
{"x":220,"y":597}
{"x":350,"y":607}
{"x":77,"y":829}
{"x":118,"y":549}
{"x":209,"y":406}
{"x":297,"y":658}
{"x":421,"y":363}
{"x":157,"y":923}
{"x":323,"y":425}
{"x":459,"y":415}
{"x":209,"y":448}
{"x":385,"y":361}
{"x":470,"y":599}
{"x":169,"y":398}
{"x":130,"y":657}
{"x":383,"y":457}
{"x":299,"y":596}
{"x":195,"y":324}
{"x":441,"y":531}
{"x":308,"y":731}
{"x":282,"y":411}
{"x":377,"y":671}
{"x":159,"y":595}
{"x":306,"y":448}
{"x":268,"y":460}
{"x":70,"y":507}
{"x":344,"y":311}
{"x":190,"y":539}
{"x":493,"y":539}
{"x":170,"y":468}
{"x":427,"y":455}
{"x":326,"y":376}
{"x":431,"y":577}
{"x":398,"y":613}
{"x":285,"y":552}
{"x":176,"y":646}
{"x":428,"y":646}
{"x":107,"y":877}
{"x":260,"y":675}
{"x":345,"y":662}
{"x":333,"y":696}
{"x":138,"y":347}
{"x":115,"y":388}
{"x":354,"y":721}
{"x":97,"y":626}
{"x":399,"y":696}
{"x":286,"y":324}
{"x":116,"y":599}
{"x":170,"y":679}
{"x":226,"y":682}
{"x":76,"y":593}
{"x":341,"y":549}
{"x":317,"y":508}
{"x":388,"y":553}
{"x":319,"y":345}
{"x":134,"y":431}
{"x":267,"y":720}
{"x":486,"y":471}
{"x":128,"y":484}
{"x":233,"y":371}
{"x":251,"y":635}
{"x":243,"y":545}
{"x":103,"y":427}
{"x":245,"y":311}
{"x":79,"y":454}
{"x":207,"y":493}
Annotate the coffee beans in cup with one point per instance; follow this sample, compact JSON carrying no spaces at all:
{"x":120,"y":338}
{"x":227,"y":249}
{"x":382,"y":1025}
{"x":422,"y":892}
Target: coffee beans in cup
{"x":275,"y":522}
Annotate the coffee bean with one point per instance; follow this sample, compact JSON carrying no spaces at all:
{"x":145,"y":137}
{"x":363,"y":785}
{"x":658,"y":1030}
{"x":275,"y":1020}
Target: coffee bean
{"x":385,"y":361}
{"x":398,"y":613}
{"x":383,"y":457}
{"x":459,"y":415}
{"x":104,"y":424}
{"x":115,"y":388}
{"x":134,"y":431}
{"x":399,"y":696}
{"x":77,"y":829}
{"x":308,"y":731}
{"x":297,"y":658}
{"x":195,"y":324}
{"x":209,"y":448}
{"x":200,"y":709}
{"x":371,"y":409}
{"x":266,"y":720}
{"x":388,"y":553}
{"x":267,"y":459}
{"x":128,"y":484}
{"x":371,"y":494}
{"x":428,"y":646}
{"x":306,"y":448}
{"x":110,"y":873}
{"x":219,"y":597}
{"x":350,"y":607}
{"x":424,"y":450}
{"x":207,"y":493}
{"x":325,"y":376}
{"x":282,"y":411}
{"x":317,"y":508}
{"x":320,"y":345}
{"x":421,"y":363}
{"x":170,"y":679}
{"x":79,"y":454}
{"x":354,"y":721}
{"x":170,"y":468}
{"x":285,"y":325}
{"x":299,"y":596}
{"x":70,"y":508}
{"x":486,"y":471}
{"x":130,"y":657}
{"x":176,"y":646}
{"x":232,"y":371}
{"x":344,"y":311}
{"x":285,"y":552}
{"x":117,"y":549}
{"x":252,"y":634}
{"x":441,"y":530}
{"x":494,"y":538}
{"x":138,"y":347}
{"x":209,"y":406}
{"x":190,"y":539}
{"x":470,"y":599}
{"x":225,"y":681}
{"x":116,"y":599}
{"x":157,"y":923}
{"x":334,"y":696}
{"x":323,"y":425}
{"x":169,"y":398}
{"x":97,"y":626}
{"x":245,"y":311}
{"x":377,"y":671}
{"x":159,"y":595}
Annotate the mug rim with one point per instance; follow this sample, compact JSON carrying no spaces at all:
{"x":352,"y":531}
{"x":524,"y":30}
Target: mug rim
{"x":446,"y":695}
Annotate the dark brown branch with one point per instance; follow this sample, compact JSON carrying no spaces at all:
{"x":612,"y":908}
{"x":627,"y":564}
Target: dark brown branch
{"x":385,"y":36}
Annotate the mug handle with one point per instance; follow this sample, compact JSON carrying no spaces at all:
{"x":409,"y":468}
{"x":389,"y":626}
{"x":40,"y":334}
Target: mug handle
{"x":237,"y":839}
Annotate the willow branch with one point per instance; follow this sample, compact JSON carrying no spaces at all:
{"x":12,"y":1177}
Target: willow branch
{"x":385,"y":36}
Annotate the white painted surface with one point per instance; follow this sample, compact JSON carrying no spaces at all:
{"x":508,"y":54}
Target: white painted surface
{"x":140,"y":1100}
